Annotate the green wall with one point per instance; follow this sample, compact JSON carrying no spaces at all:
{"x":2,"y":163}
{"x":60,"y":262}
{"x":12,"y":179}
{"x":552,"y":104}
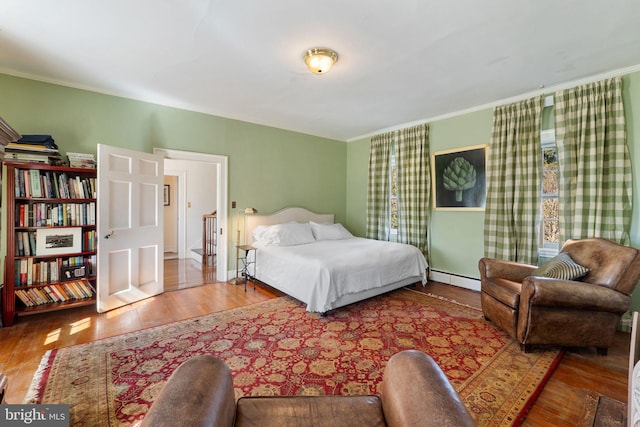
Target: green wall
{"x":457,"y":237}
{"x":269,"y":168}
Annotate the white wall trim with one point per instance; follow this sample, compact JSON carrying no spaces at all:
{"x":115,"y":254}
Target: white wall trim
{"x":455,"y":280}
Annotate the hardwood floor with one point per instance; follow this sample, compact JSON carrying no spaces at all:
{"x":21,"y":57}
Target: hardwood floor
{"x":580,"y":375}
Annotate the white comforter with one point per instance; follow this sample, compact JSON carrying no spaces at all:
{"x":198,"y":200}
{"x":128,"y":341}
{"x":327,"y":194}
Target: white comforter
{"x":321,"y":272}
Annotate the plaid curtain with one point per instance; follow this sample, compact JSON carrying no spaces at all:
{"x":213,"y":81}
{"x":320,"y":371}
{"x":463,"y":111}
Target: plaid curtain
{"x":378,"y":187}
{"x":514,"y":170}
{"x":414,"y":186}
{"x":595,"y":180}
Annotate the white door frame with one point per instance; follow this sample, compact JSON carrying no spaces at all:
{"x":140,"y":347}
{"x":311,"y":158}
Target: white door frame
{"x":182,"y":210}
{"x":221,"y":203}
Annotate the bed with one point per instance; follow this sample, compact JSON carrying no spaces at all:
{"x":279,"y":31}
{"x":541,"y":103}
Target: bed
{"x":309,"y":257}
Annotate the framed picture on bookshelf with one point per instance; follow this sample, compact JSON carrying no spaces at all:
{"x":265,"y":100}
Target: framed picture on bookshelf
{"x":56,"y":241}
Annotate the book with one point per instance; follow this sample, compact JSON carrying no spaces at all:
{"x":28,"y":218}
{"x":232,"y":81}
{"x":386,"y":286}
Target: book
{"x":18,"y":146}
{"x":24,"y":298}
{"x":34,"y":180}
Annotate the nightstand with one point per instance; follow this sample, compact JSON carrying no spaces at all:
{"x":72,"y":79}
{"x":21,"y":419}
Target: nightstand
{"x":243,"y":265}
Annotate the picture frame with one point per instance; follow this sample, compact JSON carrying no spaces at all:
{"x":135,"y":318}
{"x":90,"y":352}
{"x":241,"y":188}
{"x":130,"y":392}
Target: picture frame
{"x":167,"y":195}
{"x":57,"y":241}
{"x":468,"y":166}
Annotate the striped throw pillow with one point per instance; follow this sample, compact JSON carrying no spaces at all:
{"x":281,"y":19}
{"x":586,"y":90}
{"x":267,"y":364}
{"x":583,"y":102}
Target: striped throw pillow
{"x":561,"y":267}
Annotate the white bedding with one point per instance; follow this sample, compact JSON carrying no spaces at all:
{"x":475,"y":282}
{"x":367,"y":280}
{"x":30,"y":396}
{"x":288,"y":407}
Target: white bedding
{"x":322,"y":272}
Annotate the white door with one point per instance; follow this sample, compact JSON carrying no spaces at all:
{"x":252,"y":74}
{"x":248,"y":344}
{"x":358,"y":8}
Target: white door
{"x":130,"y":226}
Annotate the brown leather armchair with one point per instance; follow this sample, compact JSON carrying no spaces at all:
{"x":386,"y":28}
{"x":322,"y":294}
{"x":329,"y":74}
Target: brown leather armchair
{"x":540,"y":310}
{"x":414,"y":392}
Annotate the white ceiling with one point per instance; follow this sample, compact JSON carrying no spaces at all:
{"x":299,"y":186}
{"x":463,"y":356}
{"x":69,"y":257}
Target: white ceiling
{"x":401,"y":61}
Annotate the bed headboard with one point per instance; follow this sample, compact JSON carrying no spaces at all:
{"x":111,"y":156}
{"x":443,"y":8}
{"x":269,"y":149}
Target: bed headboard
{"x":282,"y":216}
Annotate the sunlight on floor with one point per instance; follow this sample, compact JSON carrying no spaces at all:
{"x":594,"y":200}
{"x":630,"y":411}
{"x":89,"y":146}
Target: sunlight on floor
{"x":52,"y":336}
{"x":80,"y":325}
{"x":132,"y":306}
{"x":119,"y":311}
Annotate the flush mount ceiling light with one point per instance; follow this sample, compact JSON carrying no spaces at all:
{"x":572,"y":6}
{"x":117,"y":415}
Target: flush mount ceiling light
{"x":319,"y":60}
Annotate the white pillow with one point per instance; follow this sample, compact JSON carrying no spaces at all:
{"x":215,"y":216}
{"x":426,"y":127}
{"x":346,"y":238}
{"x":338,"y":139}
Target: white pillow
{"x":329,"y":231}
{"x":289,"y":234}
{"x":258,"y":233}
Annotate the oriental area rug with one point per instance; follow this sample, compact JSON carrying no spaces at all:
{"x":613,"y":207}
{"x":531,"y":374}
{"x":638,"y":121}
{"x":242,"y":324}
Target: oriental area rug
{"x":277,"y":348}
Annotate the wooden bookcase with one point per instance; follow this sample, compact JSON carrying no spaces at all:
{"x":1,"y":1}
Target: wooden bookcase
{"x":51,"y":242}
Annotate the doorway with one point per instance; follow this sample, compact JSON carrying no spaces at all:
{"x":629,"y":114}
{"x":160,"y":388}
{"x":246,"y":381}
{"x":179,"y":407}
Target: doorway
{"x":184,"y":165}
{"x":171,"y":229}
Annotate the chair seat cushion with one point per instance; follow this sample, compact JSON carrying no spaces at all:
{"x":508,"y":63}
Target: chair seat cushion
{"x":325,"y":411}
{"x":504,"y":290}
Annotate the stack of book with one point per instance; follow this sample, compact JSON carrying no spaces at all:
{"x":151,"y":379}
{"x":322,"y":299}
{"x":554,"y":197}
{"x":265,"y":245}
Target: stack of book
{"x":7,"y":135}
{"x":33,"y":149}
{"x":61,"y":292}
{"x":81,"y":160}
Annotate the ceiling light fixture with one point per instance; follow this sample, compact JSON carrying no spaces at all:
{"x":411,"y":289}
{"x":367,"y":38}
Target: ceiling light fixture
{"x":319,"y":60}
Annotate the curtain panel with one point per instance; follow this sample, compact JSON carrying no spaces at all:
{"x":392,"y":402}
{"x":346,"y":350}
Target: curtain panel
{"x":512,"y":212}
{"x":414,"y":186}
{"x":595,"y":182}
{"x":378,"y":187}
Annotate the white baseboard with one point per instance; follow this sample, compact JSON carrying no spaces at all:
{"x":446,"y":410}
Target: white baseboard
{"x":452,"y":279}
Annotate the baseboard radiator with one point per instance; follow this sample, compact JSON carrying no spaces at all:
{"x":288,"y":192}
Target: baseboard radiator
{"x":455,"y":280}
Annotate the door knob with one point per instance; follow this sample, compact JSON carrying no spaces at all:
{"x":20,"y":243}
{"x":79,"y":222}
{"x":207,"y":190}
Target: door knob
{"x":111,"y":233}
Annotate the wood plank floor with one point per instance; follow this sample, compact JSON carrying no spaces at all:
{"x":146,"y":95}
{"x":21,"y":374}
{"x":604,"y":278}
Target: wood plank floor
{"x":581,"y":375}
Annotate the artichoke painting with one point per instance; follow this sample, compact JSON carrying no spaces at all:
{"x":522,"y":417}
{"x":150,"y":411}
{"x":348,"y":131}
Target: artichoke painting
{"x":460,"y":175}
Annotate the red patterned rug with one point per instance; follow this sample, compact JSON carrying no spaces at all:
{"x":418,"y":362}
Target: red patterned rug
{"x":277,"y":348}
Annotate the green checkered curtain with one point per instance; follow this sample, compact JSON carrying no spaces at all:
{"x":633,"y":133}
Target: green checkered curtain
{"x":595,"y":183}
{"x":414,"y":186}
{"x":378,"y":187}
{"x":514,"y":170}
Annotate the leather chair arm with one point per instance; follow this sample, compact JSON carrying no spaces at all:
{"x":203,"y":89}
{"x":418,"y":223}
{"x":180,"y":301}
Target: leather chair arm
{"x":416,"y":393}
{"x":3,"y":387}
{"x":198,"y":393}
{"x":514,"y":271}
{"x":548,"y":292}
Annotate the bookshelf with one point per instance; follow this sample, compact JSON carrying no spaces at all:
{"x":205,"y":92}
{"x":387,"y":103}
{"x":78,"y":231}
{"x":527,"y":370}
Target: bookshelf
{"x":50,"y":261}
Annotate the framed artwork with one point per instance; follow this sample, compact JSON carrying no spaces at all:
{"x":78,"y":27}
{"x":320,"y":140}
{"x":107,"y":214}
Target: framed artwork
{"x":167,"y":195}
{"x":56,"y":241}
{"x":459,"y":178}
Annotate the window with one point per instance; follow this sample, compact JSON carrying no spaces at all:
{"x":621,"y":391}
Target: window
{"x":393,"y":196}
{"x":549,"y":226}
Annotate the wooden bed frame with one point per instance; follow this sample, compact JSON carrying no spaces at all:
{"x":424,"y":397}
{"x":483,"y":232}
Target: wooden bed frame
{"x":304,"y":215}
